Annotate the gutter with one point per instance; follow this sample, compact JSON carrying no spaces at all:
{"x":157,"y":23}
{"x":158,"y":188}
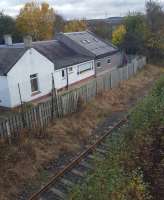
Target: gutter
{"x":107,"y":54}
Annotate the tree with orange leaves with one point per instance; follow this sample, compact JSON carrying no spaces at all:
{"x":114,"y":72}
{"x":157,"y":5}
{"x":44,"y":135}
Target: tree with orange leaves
{"x":75,"y":26}
{"x":36,"y":20}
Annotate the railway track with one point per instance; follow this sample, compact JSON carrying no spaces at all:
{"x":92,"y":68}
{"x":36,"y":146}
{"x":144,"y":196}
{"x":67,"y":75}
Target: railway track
{"x":60,"y":185}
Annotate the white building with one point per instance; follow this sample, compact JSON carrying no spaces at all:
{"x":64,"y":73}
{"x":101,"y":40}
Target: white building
{"x":27,"y":69}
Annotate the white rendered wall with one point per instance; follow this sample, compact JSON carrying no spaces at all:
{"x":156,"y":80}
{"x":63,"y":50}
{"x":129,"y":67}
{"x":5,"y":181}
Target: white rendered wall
{"x":60,"y":82}
{"x":73,"y":77}
{"x":30,"y":63}
{"x":4,"y":92}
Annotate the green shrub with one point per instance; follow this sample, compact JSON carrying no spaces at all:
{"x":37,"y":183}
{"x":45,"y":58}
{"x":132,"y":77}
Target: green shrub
{"x":133,"y":168}
{"x":110,"y":180}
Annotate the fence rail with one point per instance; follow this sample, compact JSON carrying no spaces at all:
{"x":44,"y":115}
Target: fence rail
{"x":38,"y":118}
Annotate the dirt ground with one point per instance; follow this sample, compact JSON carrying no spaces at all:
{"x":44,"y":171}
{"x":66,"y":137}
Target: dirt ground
{"x":29,"y":164}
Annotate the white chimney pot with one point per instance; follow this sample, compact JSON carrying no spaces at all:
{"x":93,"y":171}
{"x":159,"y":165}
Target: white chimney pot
{"x":8,"y":39}
{"x":27,"y":41}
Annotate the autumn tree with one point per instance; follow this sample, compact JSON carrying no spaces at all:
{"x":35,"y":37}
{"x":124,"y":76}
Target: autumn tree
{"x":155,"y":35}
{"x":131,"y":35}
{"x":100,"y":28}
{"x":75,"y":26}
{"x":145,"y":33}
{"x":135,"y":25}
{"x":59,"y":24}
{"x":155,"y":16}
{"x":118,"y":35}
{"x":36,"y":20}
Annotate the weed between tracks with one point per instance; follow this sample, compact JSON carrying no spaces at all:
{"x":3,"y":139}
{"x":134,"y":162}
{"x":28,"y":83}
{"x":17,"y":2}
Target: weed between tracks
{"x":29,"y":164}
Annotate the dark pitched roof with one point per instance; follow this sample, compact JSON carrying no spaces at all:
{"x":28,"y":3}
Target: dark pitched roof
{"x":8,"y":58}
{"x":91,"y":42}
{"x":56,"y":52}
{"x":60,"y":54}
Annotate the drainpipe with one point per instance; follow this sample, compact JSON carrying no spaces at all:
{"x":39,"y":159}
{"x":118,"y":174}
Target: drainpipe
{"x":54,"y":79}
{"x":95,"y":67}
{"x":67,"y":77}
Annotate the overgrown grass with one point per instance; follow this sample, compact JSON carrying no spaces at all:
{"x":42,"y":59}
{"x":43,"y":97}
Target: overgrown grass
{"x":26,"y":162}
{"x":134,"y":166}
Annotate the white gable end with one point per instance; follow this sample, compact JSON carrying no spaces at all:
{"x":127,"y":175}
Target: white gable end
{"x":30,"y":64}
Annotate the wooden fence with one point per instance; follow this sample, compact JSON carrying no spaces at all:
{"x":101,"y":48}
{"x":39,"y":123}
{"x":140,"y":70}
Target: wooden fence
{"x":38,"y":118}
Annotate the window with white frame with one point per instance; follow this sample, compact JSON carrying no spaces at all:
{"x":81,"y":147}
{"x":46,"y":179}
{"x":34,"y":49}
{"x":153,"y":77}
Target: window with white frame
{"x":95,"y":39}
{"x":34,"y":83}
{"x":83,"y":41}
{"x":86,"y":41}
{"x":98,"y":64}
{"x":109,"y":61}
{"x":85,"y":67}
{"x":70,"y":69}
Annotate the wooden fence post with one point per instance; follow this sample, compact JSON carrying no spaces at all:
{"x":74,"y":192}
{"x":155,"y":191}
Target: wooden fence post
{"x":60,"y":102}
{"x":8,"y":131}
{"x":52,"y":99}
{"x":56,"y":103}
{"x":22,"y":109}
{"x":40,"y":116}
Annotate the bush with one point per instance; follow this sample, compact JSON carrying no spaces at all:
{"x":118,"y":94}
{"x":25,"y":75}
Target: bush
{"x":111,"y":180}
{"x":134,"y":165}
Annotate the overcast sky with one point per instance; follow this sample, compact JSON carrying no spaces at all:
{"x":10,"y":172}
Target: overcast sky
{"x":81,"y":8}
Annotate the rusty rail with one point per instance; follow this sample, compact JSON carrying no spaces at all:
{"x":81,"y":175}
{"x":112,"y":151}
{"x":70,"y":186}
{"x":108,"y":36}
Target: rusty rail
{"x":75,"y":162}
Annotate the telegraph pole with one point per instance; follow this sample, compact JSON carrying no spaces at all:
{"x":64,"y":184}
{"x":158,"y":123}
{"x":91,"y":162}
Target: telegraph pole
{"x":22,"y":109}
{"x":54,"y":100}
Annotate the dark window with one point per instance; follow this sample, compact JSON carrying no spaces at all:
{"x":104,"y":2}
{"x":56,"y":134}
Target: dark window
{"x":109,"y":61}
{"x":63,"y":73}
{"x":70,"y":69}
{"x":99,"y":64}
{"x":34,"y":83}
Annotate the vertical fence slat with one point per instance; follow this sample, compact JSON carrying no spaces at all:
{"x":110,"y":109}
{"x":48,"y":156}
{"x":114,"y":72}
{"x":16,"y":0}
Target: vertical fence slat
{"x":41,"y":115}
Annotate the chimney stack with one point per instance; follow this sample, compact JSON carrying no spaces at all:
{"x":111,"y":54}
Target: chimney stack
{"x":8,"y":39}
{"x":27,"y":41}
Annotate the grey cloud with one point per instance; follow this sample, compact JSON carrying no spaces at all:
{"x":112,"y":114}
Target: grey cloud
{"x":82,"y":8}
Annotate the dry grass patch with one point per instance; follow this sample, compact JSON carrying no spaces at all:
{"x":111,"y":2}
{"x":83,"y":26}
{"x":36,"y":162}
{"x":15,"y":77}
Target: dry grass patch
{"x":24,"y":163}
